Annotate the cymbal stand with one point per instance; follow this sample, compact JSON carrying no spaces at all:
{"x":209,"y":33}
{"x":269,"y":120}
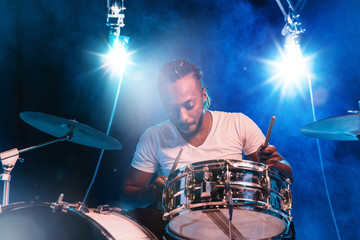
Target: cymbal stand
{"x":356,"y":112}
{"x":8,"y":160}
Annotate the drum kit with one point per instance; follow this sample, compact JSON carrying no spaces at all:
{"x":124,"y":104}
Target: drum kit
{"x":215,"y":199}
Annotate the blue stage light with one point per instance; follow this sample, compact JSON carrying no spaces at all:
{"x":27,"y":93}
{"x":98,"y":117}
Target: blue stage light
{"x":118,"y":57}
{"x":290,"y":72}
{"x":293,"y":67}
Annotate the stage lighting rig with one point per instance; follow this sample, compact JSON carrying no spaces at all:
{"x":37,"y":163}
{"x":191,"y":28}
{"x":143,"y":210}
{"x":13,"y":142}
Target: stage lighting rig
{"x":117,"y":57}
{"x":291,"y":68}
{"x":292,"y":18}
{"x":115,"y":19}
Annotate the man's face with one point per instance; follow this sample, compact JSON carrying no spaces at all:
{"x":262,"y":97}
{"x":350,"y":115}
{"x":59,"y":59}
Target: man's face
{"x":183,"y":101}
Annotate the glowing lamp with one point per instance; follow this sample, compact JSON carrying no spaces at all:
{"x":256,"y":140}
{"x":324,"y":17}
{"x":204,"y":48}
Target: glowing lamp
{"x":293,"y":67}
{"x":118,"y":57}
{"x":290,"y":72}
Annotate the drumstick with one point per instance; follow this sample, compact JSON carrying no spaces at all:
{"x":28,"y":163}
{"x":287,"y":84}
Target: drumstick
{"x":269,"y":131}
{"x":176,"y":162}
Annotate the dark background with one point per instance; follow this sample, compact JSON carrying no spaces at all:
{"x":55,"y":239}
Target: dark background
{"x":50,"y":58}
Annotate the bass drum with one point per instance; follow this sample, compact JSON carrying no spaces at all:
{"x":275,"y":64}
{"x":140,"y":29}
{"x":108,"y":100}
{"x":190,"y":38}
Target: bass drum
{"x":40,"y":221}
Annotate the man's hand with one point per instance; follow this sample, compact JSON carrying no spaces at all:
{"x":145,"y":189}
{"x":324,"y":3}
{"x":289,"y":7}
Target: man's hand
{"x":268,"y":155}
{"x":158,"y":187}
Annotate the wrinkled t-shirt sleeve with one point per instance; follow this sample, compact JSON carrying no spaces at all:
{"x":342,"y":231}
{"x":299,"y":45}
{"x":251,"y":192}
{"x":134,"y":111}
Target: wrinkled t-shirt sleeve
{"x":252,"y":137}
{"x":145,"y":154}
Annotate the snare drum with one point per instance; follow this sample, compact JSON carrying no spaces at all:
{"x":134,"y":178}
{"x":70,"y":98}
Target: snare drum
{"x":43,"y":221}
{"x":199,"y":198}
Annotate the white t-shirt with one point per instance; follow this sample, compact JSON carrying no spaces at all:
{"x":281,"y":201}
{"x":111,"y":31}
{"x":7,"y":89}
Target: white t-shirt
{"x":231,"y":136}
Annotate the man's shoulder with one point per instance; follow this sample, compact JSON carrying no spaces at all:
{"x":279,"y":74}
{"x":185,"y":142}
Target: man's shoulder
{"x":227,"y":115}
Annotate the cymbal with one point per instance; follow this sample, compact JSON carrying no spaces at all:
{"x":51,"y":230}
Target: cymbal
{"x":342,"y":128}
{"x":60,"y":127}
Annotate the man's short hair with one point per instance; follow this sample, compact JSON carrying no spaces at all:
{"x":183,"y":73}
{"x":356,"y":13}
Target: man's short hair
{"x":177,"y":69}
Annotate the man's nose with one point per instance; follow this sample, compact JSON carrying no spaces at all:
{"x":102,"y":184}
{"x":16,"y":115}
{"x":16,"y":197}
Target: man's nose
{"x":183,"y":115}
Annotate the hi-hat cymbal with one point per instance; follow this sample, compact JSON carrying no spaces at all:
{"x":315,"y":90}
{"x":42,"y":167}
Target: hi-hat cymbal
{"x":342,"y":128}
{"x":60,"y":127}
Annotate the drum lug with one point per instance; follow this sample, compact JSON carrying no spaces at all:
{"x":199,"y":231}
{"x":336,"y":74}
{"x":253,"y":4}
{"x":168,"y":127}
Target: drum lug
{"x":80,"y":206}
{"x":206,"y":185}
{"x":188,"y":189}
{"x":287,"y":205}
{"x":54,"y":206}
{"x":169,"y":215}
{"x":102,"y":208}
{"x":266,"y":184}
{"x":206,"y":189}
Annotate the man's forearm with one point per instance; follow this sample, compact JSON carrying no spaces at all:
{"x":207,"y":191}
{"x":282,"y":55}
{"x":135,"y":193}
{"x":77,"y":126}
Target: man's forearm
{"x":135,"y":197}
{"x":283,"y":167}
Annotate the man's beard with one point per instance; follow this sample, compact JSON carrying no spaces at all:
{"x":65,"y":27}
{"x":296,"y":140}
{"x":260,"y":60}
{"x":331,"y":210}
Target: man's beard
{"x":197,"y":129}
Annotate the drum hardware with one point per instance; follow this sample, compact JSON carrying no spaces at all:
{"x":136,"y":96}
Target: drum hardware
{"x":65,"y":206}
{"x":229,"y":197}
{"x":102,"y":208}
{"x":8,"y":161}
{"x":9,"y":158}
{"x":287,"y":203}
{"x":267,"y":187}
{"x":54,"y":206}
{"x":81,"y":207}
{"x":188,"y":190}
{"x":206,"y":185}
{"x":64,"y":130}
{"x":167,"y":215}
{"x":355,"y":111}
{"x":106,"y":208}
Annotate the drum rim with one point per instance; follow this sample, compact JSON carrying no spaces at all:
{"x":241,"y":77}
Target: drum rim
{"x":285,"y":219}
{"x":237,"y":206}
{"x":180,"y":236}
{"x":255,"y":166}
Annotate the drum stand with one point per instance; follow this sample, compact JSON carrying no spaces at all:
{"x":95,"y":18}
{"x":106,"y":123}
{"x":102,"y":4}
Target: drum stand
{"x":8,"y":160}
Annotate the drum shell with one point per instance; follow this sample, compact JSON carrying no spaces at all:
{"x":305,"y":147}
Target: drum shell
{"x":38,"y":221}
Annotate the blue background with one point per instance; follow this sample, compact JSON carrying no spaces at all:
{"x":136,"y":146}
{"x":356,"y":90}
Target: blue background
{"x":49,"y":62}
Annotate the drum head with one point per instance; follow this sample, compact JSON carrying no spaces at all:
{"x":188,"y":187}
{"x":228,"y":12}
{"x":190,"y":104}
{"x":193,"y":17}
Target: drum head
{"x":21,"y":221}
{"x":247,"y":224}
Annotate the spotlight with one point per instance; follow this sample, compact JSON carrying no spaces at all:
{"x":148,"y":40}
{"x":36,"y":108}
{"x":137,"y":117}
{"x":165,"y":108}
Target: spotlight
{"x":118,"y":57}
{"x":293,"y":66}
{"x":290,"y":71}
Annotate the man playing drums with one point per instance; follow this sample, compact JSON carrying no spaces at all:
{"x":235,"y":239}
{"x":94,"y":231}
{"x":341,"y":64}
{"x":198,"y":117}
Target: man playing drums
{"x":192,"y":134}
